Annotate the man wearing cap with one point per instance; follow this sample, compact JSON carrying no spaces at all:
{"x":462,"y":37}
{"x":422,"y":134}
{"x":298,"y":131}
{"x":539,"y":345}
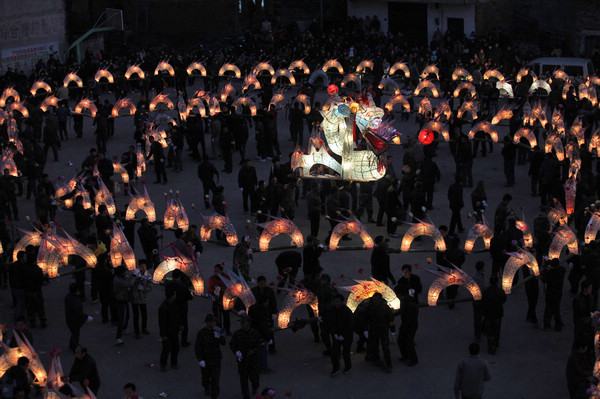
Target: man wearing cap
{"x":208,"y":353}
{"x":245,"y":344}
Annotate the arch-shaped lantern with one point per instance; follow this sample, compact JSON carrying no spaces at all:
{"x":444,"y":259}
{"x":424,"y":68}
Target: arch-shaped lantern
{"x":351,"y":78}
{"x":283,"y":73}
{"x":175,"y":213}
{"x":236,"y":288}
{"x":40,"y":85}
{"x":120,"y":250}
{"x":439,"y":128}
{"x":263,"y":67}
{"x":279,"y":226}
{"x":292,"y":300}
{"x":462,"y":74}
{"x":389,"y":82}
{"x":486,"y":127}
{"x":218,"y":222}
{"x":364,"y":64}
{"x":104,"y":74}
{"x":493,"y":73}
{"x":161,"y":99}
{"x":72,"y":77}
{"x":88,"y":104}
{"x":465,"y":86}
{"x":124,"y":103}
{"x":227,"y":91}
{"x":164,"y":66}
{"x":50,"y":101}
{"x":423,"y":229}
{"x":430,"y":70}
{"x":251,"y":81}
{"x":246,"y":101}
{"x":553,"y":142}
{"x":400,"y":66}
{"x":135,"y":70}
{"x":230,"y":68}
{"x":514,"y":263}
{"x":478,"y":230}
{"x":427,"y":85}
{"x":335,"y":64}
{"x":104,"y":197}
{"x":196,"y":66}
{"x":141,"y":203}
{"x":540,"y":84}
{"x":398,"y":99}
{"x":300,"y":64}
{"x":564,"y":236}
{"x":447,"y":277}
{"x":526,"y":134}
{"x":470,"y":107}
{"x":365,"y":289}
{"x":505,"y":88}
{"x":505,"y":112}
{"x":350,"y":226}
{"x":591,"y":230}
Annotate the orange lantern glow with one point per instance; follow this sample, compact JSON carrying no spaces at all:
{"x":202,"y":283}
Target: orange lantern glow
{"x":426,"y":137}
{"x":9,"y":92}
{"x":570,"y":187}
{"x":279,"y":226}
{"x":486,"y":127}
{"x":104,"y":74}
{"x":462,"y":74}
{"x":196,"y":66}
{"x":195,"y":103}
{"x":564,"y":236}
{"x":400,"y":66}
{"x":120,"y":250}
{"x":39,"y":85}
{"x":504,"y":113}
{"x":72,"y":78}
{"x":578,"y":131}
{"x":387,"y":82}
{"x":447,"y":277}
{"x":438,"y":127}
{"x":305,"y":101}
{"x":293,"y":299}
{"x":595,"y":142}
{"x":514,"y":263}
{"x":49,"y":101}
{"x":505,"y":88}
{"x":141,"y":203}
{"x":161,"y":99}
{"x":19,"y":107}
{"x":299,"y":64}
{"x":55,"y":373}
{"x":465,"y":86}
{"x":429,"y":85}
{"x":236,"y":288}
{"x":123,"y":103}
{"x":558,"y":215}
{"x":198,"y":284}
{"x":591,"y":230}
{"x":366,"y":289}
{"x":29,"y":238}
{"x":364,"y":65}
{"x":263,"y":67}
{"x":283,"y":73}
{"x":278,"y":99}
{"x":218,"y":222}
{"x":553,"y":142}
{"x":227,"y":91}
{"x":527,"y":236}
{"x":525,"y":71}
{"x":468,"y":107}
{"x":135,"y":70}
{"x":398,"y":99}
{"x":430,"y":70}
{"x":141,"y":161}
{"x":540,"y":84}
{"x":335,"y":64}
{"x":476,"y":231}
{"x":351,"y":78}
{"x":250,"y":81}
{"x":164,"y":66}
{"x":7,"y":162}
{"x":493,"y":73}
{"x":350,"y":226}
{"x":230,"y":68}
{"x":104,"y":197}
{"x":247,"y":101}
{"x":442,"y":109}
{"x":425,"y":107}
{"x":526,"y":134}
{"x":175,"y":213}
{"x":423,"y":229}
{"x":88,"y":104}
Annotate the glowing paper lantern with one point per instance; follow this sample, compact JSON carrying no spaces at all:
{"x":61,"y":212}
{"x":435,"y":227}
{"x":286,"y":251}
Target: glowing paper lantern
{"x":386,"y":82}
{"x":285,"y":73}
{"x":465,"y":86}
{"x":74,"y":247}
{"x":506,"y":89}
{"x":398,"y":99}
{"x":570,"y":192}
{"x":540,"y":84}
{"x":430,"y":70}
{"x":426,"y":137}
{"x":141,"y":203}
{"x":462,"y":74}
{"x":595,"y":142}
{"x":72,"y":78}
{"x":7,"y":162}
{"x":9,"y":92}
{"x":165,"y":267}
{"x":537,"y":113}
{"x":250,"y":81}
{"x":366,"y":289}
{"x":425,"y":107}
{"x":88,"y":104}
{"x":553,"y":142}
{"x":175,"y":213}
{"x":120,"y":250}
{"x":557,"y":215}
{"x":35,"y":365}
{"x":400,"y":66}
{"x":49,"y":101}
{"x":123,"y":103}
{"x":429,"y":85}
{"x":468,"y":107}
{"x":591,"y":230}
{"x":29,"y":238}
{"x":55,"y":372}
{"x":563,"y":236}
{"x":198,"y":284}
{"x":196,"y":66}
{"x":443,"y":109}
{"x":104,"y":74}
{"x":227,"y":91}
{"x":447,"y":277}
{"x":476,"y":231}
{"x":526,"y":134}
{"x":247,"y":101}
{"x":161,"y":99}
{"x":504,"y":113}
{"x":578,"y":131}
{"x":236,"y":288}
{"x":141,"y":161}
{"x":164,"y":66}
{"x":527,"y":236}
{"x":514,"y":263}
{"x":350,"y":226}
{"x":524,"y":72}
{"x":134,"y":70}
{"x":335,"y":65}
{"x":293,"y":299}
{"x":423,"y":229}
{"x":39,"y":85}
{"x":305,"y":101}
{"x":299,"y":64}
{"x":263,"y":67}
{"x":104,"y":197}
{"x":364,"y":65}
{"x":493,"y":73}
{"x":218,"y":222}
{"x":49,"y":259}
{"x":19,"y":107}
{"x":486,"y":127}
{"x":230,"y":68}
{"x":279,"y":226}
{"x":434,"y":126}
{"x":351,"y":78}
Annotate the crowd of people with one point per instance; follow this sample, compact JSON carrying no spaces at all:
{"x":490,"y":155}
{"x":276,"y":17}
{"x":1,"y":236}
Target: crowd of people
{"x":404,"y":195}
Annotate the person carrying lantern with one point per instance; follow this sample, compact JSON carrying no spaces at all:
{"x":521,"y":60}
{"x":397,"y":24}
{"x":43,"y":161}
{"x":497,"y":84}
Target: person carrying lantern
{"x":245,"y":344}
{"x":208,"y":353}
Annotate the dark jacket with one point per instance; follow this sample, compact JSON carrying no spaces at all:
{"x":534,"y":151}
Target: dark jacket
{"x":74,"y":315}
{"x":380,"y":265}
{"x":208,"y":347}
{"x":339,"y":320}
{"x":85,"y":369}
{"x":247,"y":178}
{"x":493,"y":302}
{"x":168,"y":319}
{"x":455,"y":196}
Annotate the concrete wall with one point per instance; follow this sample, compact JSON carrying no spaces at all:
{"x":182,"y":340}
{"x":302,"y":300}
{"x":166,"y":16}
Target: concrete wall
{"x":29,"y":30}
{"x":444,"y":11}
{"x":364,"y":8}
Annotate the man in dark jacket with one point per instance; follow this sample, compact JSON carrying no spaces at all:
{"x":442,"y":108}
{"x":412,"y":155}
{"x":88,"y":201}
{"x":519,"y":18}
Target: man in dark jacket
{"x":74,"y":315}
{"x":315,"y":206}
{"x":169,"y":327}
{"x":455,"y":198}
{"x":245,"y":344}
{"x":407,"y":290}
{"x":583,"y":307}
{"x":247,"y":182}
{"x":84,"y":370}
{"x":493,"y":299}
{"x":380,"y":260}
{"x":184,"y":295}
{"x":156,"y":151}
{"x":206,"y":173}
{"x":379,"y":321}
{"x":430,"y":174}
{"x":33,"y":279}
{"x":553,"y":277}
{"x":338,"y":319}
{"x":208,"y":354}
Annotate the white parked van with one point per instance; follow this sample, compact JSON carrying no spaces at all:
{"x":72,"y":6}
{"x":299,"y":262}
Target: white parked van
{"x":577,"y":68}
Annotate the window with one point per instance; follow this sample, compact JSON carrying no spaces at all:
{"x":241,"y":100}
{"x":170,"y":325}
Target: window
{"x":574,"y":70}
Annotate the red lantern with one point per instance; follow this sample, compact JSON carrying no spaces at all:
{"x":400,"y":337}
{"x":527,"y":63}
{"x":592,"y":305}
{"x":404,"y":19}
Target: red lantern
{"x":426,"y":136}
{"x":332,"y":90}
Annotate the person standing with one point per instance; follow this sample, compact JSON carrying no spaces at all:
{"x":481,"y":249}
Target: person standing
{"x":509,"y":153}
{"x":314,"y":203}
{"x":141,"y":286}
{"x":169,"y":327}
{"x":553,"y":277}
{"x":16,"y":381}
{"x":74,"y":315}
{"x":430,"y":174}
{"x":216,"y":287}
{"x":472,"y":372}
{"x":33,"y":278}
{"x":208,"y":353}
{"x":479,"y":278}
{"x":380,"y":260}
{"x":408,"y":289}
{"x":156,"y":151}
{"x":379,"y":320}
{"x":206,"y":173}
{"x":84,"y":370}
{"x":365,"y":201}
{"x":493,"y":298}
{"x":455,"y":198}
{"x":247,"y":182}
{"x":184,"y":295}
{"x":245,"y":344}
{"x":122,"y":285}
{"x":338,"y":321}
